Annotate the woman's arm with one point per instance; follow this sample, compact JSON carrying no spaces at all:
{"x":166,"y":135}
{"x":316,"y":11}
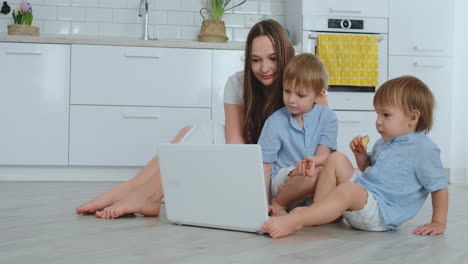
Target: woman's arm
{"x":234,"y":115}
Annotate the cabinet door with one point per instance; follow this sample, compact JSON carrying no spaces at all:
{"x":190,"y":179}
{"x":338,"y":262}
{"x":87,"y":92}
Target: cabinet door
{"x":421,"y":27}
{"x":125,"y":136}
{"x":436,"y":73}
{"x":358,"y":8}
{"x":355,"y":123}
{"x":109,"y":75}
{"x":34,"y":94}
{"x":225,"y":64}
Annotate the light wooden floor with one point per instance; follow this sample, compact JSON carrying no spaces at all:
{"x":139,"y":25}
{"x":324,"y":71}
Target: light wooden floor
{"x":38,"y":225}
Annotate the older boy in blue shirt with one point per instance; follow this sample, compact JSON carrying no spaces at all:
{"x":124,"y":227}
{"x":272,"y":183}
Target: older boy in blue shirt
{"x":300,"y":130}
{"x":402,"y":169}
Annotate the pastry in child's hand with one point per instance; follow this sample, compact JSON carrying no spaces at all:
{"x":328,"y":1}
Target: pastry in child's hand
{"x":362,"y":144}
{"x":307,"y":164}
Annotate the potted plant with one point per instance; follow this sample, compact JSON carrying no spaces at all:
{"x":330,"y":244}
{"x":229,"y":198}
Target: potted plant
{"x":23,"y":18}
{"x":214,"y":30}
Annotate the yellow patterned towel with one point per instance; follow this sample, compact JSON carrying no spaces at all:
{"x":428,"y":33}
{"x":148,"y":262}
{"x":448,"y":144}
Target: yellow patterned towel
{"x":350,"y":59}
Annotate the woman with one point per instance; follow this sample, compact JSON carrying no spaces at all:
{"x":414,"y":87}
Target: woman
{"x":247,"y":104}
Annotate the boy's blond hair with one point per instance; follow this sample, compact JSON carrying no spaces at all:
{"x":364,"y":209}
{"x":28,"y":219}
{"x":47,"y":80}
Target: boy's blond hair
{"x":408,"y":93}
{"x":306,"y":72}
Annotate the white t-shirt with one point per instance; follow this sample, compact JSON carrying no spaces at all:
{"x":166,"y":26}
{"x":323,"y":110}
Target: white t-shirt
{"x":234,"y":89}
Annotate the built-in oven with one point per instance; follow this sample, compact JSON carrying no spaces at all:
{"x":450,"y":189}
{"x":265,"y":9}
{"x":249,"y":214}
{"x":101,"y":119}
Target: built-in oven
{"x":349,"y":97}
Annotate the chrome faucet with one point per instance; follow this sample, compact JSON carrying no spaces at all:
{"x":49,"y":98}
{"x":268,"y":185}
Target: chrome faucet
{"x":144,"y":10}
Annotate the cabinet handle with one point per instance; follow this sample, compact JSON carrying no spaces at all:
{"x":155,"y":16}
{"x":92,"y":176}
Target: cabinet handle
{"x":141,"y":115}
{"x":419,"y":65}
{"x":136,"y":55}
{"x":417,"y":48}
{"x":334,"y":10}
{"x":24,"y":51}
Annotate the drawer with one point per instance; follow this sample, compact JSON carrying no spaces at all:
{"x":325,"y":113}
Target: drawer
{"x":344,"y":8}
{"x":140,"y":76}
{"x":125,"y":136}
{"x":355,"y":123}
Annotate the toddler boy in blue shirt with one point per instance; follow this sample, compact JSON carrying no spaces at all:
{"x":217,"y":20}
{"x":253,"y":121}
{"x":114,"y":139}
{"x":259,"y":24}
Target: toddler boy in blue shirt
{"x":300,"y":131}
{"x":402,"y":169}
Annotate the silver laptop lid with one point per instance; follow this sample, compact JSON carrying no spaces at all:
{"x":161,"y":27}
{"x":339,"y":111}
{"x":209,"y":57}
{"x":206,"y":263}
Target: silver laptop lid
{"x":219,"y":186}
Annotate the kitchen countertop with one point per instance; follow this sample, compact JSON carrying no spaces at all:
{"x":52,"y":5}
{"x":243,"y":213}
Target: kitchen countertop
{"x":191,"y":44}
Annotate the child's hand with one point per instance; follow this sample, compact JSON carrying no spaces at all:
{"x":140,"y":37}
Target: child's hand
{"x":306,"y":167}
{"x":430,"y":229}
{"x":353,"y":145}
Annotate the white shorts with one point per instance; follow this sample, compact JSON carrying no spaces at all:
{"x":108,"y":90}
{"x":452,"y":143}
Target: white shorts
{"x":368,"y":218}
{"x":206,"y":132}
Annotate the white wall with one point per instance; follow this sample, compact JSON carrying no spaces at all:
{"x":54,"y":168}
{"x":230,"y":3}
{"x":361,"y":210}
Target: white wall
{"x":460,"y":95}
{"x":170,"y":19}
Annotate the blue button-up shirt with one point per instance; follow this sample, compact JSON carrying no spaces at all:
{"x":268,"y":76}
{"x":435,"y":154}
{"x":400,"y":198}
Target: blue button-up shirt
{"x":403,"y":172}
{"x":284,"y":142}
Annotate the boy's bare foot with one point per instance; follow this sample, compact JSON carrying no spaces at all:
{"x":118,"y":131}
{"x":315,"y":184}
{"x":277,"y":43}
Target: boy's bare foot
{"x":144,"y":200}
{"x":277,"y":209}
{"x":282,"y":226}
{"x":105,"y":199}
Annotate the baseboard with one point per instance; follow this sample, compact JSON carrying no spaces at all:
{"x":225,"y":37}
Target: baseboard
{"x":458,"y":175}
{"x":66,"y":173}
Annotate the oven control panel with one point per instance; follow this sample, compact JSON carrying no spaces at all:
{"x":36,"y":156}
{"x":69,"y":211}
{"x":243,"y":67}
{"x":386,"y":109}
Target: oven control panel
{"x":345,"y":23}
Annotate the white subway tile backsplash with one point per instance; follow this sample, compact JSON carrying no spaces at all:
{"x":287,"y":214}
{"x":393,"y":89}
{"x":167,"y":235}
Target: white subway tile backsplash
{"x":189,"y":33}
{"x":112,"y":30}
{"x":166,"y":32}
{"x":85,"y":29}
{"x":85,"y":3}
{"x":70,"y":13}
{"x":58,"y":2}
{"x":192,"y":5}
{"x":56,"y":28}
{"x":126,"y":16}
{"x":179,"y":18}
{"x":99,"y":15}
{"x":113,"y":3}
{"x":170,"y":19}
{"x":45,"y":12}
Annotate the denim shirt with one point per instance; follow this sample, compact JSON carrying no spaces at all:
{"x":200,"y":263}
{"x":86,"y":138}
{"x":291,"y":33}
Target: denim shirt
{"x":402,"y":173}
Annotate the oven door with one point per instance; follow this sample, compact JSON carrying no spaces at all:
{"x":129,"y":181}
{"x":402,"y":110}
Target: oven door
{"x":352,"y":100}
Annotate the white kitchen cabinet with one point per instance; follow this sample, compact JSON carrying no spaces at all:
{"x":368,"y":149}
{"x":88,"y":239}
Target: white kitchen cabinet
{"x":421,"y":27}
{"x":357,"y":8}
{"x":355,"y":123}
{"x":436,"y":73}
{"x":225,"y":64}
{"x":34,"y":102}
{"x":125,"y":136}
{"x":140,"y":76}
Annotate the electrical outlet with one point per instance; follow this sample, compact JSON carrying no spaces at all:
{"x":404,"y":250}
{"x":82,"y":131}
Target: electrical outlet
{"x":250,"y":20}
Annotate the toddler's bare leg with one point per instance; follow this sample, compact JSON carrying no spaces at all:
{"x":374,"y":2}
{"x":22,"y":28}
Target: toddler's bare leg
{"x":295,"y":189}
{"x":347,"y":196}
{"x":124,"y":189}
{"x":337,"y":169}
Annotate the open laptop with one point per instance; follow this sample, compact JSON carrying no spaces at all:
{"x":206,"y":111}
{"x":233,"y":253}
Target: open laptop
{"x":219,"y":186}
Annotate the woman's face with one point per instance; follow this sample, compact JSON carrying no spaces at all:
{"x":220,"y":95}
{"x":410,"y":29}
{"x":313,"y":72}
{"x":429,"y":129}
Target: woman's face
{"x":263,"y":58}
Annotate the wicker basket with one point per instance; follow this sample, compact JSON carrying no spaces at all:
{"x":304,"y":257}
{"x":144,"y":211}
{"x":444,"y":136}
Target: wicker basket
{"x":23,"y":30}
{"x":212,"y":30}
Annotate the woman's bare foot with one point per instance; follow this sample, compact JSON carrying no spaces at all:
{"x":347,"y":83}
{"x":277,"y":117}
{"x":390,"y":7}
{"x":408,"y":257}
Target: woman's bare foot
{"x":145,"y":200}
{"x":277,"y":209}
{"x":282,"y":226}
{"x":105,"y":199}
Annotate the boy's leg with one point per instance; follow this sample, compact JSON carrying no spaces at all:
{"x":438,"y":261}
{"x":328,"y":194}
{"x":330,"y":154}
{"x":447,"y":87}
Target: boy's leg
{"x":294,"y":189}
{"x":347,"y":196}
{"x":337,"y":169}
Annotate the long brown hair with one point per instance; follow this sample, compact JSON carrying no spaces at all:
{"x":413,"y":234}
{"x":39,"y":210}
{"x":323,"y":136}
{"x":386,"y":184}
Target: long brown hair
{"x":258,"y":104}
